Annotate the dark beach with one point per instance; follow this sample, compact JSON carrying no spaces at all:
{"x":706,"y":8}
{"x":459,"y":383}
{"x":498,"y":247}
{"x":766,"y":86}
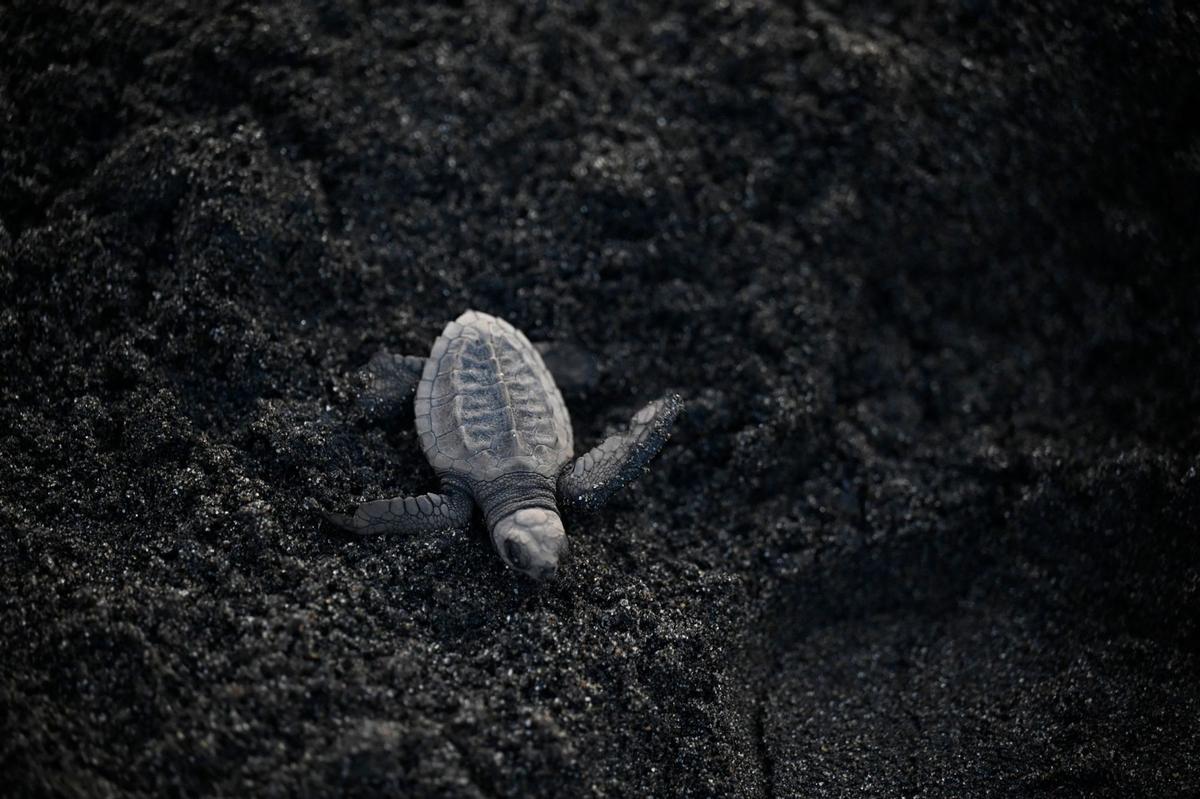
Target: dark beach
{"x":924,"y":272}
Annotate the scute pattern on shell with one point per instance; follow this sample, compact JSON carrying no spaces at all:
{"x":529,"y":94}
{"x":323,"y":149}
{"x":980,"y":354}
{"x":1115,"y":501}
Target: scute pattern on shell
{"x":487,"y":405}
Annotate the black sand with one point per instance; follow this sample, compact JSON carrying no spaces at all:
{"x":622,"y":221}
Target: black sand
{"x":926,"y":273}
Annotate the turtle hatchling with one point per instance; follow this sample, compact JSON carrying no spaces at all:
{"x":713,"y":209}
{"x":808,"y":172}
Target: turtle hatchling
{"x":494,"y":427}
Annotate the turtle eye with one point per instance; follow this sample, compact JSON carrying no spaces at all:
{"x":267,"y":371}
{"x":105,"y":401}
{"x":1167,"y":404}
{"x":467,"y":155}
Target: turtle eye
{"x":515,"y":553}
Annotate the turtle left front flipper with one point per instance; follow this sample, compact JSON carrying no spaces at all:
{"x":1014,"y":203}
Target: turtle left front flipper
{"x":589,"y":480}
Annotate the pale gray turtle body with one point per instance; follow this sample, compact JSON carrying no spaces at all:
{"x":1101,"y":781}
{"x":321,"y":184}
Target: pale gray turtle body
{"x":493,"y":425}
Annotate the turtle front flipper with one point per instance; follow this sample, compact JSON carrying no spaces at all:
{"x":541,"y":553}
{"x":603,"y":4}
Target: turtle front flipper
{"x":427,"y":513}
{"x":593,"y":477}
{"x":388,"y":381}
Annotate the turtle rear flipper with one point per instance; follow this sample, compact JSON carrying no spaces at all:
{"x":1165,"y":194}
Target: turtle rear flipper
{"x":589,"y":480}
{"x":576,"y":371}
{"x":427,"y":513}
{"x":388,"y":381}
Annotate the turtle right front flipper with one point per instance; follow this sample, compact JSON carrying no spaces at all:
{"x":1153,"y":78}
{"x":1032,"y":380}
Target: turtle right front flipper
{"x":427,"y":513}
{"x":596,"y":475}
{"x":388,"y":382}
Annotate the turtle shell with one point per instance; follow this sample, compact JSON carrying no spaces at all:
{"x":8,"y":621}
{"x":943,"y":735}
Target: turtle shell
{"x":487,"y":405}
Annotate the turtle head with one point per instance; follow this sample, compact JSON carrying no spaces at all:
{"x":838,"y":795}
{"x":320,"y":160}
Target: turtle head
{"x":532,"y":541}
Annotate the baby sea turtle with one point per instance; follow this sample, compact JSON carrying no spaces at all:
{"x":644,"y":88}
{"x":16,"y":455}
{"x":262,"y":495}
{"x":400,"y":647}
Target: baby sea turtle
{"x":493,"y":425}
